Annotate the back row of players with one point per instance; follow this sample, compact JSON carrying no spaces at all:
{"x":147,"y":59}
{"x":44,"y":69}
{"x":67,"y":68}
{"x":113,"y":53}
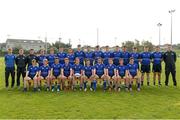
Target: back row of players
{"x":113,"y":68}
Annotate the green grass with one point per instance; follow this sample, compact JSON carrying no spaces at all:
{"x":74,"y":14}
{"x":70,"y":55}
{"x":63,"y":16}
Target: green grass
{"x":151,"y":102}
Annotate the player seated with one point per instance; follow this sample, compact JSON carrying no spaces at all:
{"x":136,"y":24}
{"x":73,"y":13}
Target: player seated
{"x":121,"y":71}
{"x":88,"y":71}
{"x":31,"y":75}
{"x":77,"y":74}
{"x":110,"y":72}
{"x":133,"y":74}
{"x":44,"y":74}
{"x":99,"y":70}
{"x":66,"y":73}
{"x":56,"y":74}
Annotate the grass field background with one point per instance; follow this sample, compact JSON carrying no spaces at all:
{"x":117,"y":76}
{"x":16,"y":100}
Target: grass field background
{"x":151,"y":102}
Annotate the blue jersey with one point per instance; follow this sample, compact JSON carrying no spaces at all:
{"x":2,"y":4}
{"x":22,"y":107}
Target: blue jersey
{"x":125,"y":56}
{"x":132,"y":69}
{"x":98,"y":54}
{"x":40,"y":59}
{"x":121,"y":70}
{"x":51,"y":58}
{"x":56,"y":69}
{"x":157,"y":57}
{"x":110,"y":68}
{"x":80,"y":55}
{"x":9,"y":60}
{"x":106,"y":56}
{"x":90,"y":56}
{"x":77,"y":68}
{"x":99,"y":69}
{"x":32,"y":70}
{"x":66,"y":69}
{"x":116,"y":56}
{"x":146,"y":58}
{"x":136,"y":57}
{"x":44,"y":70}
{"x":71,"y":58}
{"x":88,"y":70}
{"x":61,"y":56}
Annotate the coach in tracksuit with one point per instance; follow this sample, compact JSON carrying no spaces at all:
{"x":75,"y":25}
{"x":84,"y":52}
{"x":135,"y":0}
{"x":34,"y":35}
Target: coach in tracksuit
{"x":30,"y":57}
{"x":21,"y":62}
{"x":170,"y":67}
{"x":9,"y":68}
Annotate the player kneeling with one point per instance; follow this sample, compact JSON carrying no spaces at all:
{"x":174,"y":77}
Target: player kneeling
{"x":87,"y":75}
{"x":66,"y":74}
{"x":56,"y":74}
{"x":44,"y":74}
{"x":77,"y":74}
{"x":31,"y":75}
{"x":110,"y":75}
{"x":122,"y":73}
{"x":133,"y":74}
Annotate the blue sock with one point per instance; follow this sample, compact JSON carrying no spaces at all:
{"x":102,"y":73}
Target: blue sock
{"x":58,"y":87}
{"x":130,"y":86}
{"x":35,"y":89}
{"x":91,"y":84}
{"x":138,"y":85}
{"x":94,"y":85}
{"x":85,"y":85}
{"x":104,"y":84}
{"x":52,"y":87}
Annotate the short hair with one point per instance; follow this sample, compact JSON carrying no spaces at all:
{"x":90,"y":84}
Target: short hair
{"x":97,"y":46}
{"x":78,"y":45}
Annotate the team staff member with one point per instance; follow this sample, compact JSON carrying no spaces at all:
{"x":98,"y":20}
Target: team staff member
{"x":9,"y":67}
{"x":170,"y":67}
{"x":31,"y":56}
{"x":21,"y":62}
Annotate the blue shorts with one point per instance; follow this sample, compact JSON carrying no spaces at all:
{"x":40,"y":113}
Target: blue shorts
{"x":145,"y":68}
{"x":88,"y":75}
{"x":157,"y":68}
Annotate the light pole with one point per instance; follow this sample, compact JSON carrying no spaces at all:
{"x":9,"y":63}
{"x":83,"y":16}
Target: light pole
{"x":171,"y":12}
{"x":46,"y":43}
{"x":159,"y":25}
{"x":97,"y":36}
{"x":60,"y":41}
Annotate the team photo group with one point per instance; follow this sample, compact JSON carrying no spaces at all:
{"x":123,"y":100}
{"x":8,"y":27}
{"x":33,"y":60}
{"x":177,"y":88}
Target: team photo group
{"x":89,"y":69}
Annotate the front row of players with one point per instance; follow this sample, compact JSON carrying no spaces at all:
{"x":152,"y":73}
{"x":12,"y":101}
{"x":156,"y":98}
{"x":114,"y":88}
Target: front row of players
{"x":68,"y":76}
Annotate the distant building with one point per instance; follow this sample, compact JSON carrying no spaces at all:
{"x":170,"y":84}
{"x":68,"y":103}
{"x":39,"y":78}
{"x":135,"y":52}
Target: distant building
{"x":25,"y":44}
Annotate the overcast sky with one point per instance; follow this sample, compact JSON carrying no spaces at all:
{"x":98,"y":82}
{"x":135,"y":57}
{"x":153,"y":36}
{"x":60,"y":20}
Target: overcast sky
{"x":78,"y":20}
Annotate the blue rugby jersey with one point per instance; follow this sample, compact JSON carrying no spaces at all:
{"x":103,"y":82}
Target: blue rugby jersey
{"x":125,"y":56}
{"x":136,"y":57}
{"x":132,"y":69}
{"x":90,"y":56}
{"x":61,"y":56}
{"x":44,"y":70}
{"x":110,"y":68}
{"x":116,"y":56}
{"x":157,"y":57}
{"x":77,"y":68}
{"x":80,"y":55}
{"x":121,"y":70}
{"x":51,"y":58}
{"x":98,"y":54}
{"x":32,"y":70}
{"x":99,"y":69}
{"x":66,"y":69}
{"x":146,"y":58}
{"x":9,"y":60}
{"x":88,"y":70}
{"x":40,"y":59}
{"x":107,"y":55}
{"x":71,"y":58}
{"x":56,"y":69}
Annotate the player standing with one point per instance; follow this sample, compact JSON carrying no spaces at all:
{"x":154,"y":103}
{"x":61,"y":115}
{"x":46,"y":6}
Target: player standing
{"x":145,"y":65}
{"x":157,"y":58}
